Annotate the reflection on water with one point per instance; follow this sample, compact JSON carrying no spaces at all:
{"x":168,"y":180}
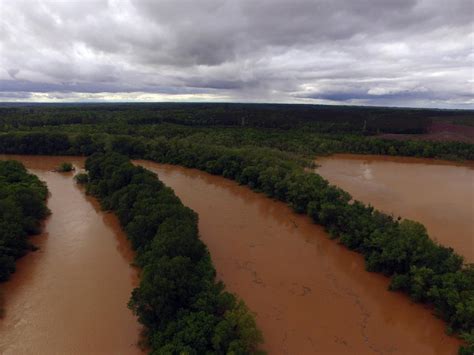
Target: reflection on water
{"x":70,"y":297}
{"x":438,"y":194}
{"x":311,"y":295}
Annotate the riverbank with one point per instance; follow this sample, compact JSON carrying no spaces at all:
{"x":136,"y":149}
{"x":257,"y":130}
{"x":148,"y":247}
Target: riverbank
{"x":439,"y":194}
{"x":311,"y":295}
{"x":70,"y":296}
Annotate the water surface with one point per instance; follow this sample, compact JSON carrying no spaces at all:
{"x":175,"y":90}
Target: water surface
{"x":70,"y":296}
{"x":311,"y":295}
{"x":436,"y":193}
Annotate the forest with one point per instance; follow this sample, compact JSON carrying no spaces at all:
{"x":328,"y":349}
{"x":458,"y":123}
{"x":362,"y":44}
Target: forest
{"x":22,"y":208}
{"x":184,"y":309}
{"x":269,"y":153}
{"x":300,"y":144}
{"x":303,"y":130}
{"x":321,"y":118}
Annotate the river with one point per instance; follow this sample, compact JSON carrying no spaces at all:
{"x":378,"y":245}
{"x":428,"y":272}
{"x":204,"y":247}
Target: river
{"x":310,"y":295}
{"x":439,"y":194}
{"x":70,"y":296}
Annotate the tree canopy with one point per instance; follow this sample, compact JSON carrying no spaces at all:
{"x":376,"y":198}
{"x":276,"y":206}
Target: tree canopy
{"x":22,"y":208}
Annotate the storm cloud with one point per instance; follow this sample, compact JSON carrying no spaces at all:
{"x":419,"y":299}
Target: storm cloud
{"x":371,"y":52}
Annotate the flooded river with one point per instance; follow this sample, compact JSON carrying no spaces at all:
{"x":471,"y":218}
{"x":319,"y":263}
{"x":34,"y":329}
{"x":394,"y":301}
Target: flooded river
{"x":70,"y":297}
{"x":438,"y":194}
{"x":311,"y":295}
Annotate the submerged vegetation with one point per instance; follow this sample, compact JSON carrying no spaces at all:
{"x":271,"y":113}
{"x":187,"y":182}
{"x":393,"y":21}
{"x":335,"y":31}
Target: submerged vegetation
{"x":65,"y":167}
{"x":263,"y":148}
{"x":22,"y":208}
{"x":185,"y":310}
{"x":81,"y":178}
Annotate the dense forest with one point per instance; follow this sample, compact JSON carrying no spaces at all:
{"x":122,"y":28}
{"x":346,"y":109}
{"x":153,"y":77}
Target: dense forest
{"x":304,"y":130}
{"x":270,"y":154}
{"x":300,"y":145}
{"x":329,"y":119}
{"x":22,"y":208}
{"x":184,"y":309}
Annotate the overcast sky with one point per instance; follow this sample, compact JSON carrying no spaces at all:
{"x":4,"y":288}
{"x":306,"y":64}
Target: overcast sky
{"x":372,"y":52}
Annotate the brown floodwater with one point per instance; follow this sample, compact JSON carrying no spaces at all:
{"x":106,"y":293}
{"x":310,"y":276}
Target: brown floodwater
{"x":310,"y":295}
{"x":70,"y":296}
{"x":438,"y":194}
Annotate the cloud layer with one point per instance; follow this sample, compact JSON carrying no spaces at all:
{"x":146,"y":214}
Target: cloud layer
{"x":384,"y":52}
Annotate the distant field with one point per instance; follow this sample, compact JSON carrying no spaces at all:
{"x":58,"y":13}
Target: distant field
{"x":440,"y":131}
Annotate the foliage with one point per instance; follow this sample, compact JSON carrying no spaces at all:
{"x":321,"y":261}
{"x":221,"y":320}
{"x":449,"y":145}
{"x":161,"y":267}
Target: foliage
{"x":179,"y":301}
{"x":22,"y":207}
{"x":65,"y":167}
{"x":81,"y":178}
{"x":468,"y":349}
{"x":133,"y":140}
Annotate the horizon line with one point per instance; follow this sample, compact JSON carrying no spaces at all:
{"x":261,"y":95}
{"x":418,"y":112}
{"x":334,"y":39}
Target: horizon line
{"x":33,"y":103}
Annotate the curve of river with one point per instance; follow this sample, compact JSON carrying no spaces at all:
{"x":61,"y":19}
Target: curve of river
{"x":439,"y":194}
{"x":70,"y":296}
{"x":311,"y":295}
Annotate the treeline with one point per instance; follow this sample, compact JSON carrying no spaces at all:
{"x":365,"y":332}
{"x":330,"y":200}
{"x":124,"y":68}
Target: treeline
{"x":309,"y":144}
{"x":183,"y":308}
{"x":298,"y":144}
{"x":320,"y":118}
{"x":22,"y":208}
{"x":39,"y":143}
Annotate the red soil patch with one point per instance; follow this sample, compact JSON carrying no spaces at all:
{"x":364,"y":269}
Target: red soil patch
{"x":439,"y":131}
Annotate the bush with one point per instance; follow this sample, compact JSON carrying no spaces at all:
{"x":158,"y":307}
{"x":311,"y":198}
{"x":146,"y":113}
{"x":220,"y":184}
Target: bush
{"x":65,"y":167}
{"x":81,"y":178}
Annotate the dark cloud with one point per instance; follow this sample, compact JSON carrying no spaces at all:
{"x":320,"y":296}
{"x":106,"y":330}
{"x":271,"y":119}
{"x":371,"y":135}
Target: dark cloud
{"x":93,"y":87}
{"x":5,"y":95}
{"x":361,"y":95}
{"x":413,"y":52}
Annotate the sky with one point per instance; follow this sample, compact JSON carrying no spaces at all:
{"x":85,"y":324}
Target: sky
{"x":415,"y":53}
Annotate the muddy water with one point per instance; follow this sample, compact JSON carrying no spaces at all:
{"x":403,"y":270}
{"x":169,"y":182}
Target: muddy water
{"x":438,"y":194}
{"x":70,"y":297}
{"x":311,"y":295}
